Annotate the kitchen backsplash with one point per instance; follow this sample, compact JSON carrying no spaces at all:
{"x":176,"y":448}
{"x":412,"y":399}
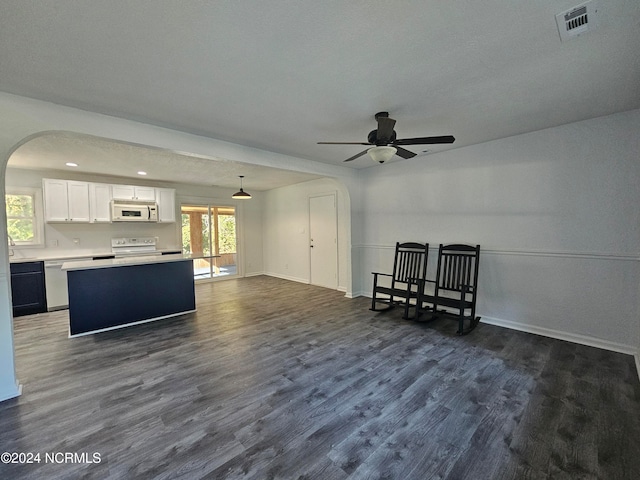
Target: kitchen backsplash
{"x":64,"y":240}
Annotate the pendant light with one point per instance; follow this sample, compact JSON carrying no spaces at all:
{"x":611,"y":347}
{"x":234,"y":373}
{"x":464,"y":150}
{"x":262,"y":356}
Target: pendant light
{"x":241,"y":195}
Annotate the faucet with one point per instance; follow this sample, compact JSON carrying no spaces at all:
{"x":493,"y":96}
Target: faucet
{"x":11,"y":244}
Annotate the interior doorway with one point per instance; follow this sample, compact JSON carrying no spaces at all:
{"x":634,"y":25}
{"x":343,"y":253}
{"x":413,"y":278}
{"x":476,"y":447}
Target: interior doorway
{"x":323,"y":240}
{"x":209,"y":233}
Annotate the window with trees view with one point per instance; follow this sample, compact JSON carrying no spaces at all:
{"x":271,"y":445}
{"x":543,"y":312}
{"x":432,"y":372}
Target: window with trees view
{"x":209,"y":232}
{"x":23,"y":219}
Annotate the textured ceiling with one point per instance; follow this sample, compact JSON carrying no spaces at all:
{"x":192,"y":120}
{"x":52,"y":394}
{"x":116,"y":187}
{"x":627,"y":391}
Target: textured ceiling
{"x":283,"y":75}
{"x":99,"y":156}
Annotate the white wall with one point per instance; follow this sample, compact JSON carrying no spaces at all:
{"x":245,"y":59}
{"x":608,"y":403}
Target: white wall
{"x":9,"y":384}
{"x":251,"y":234}
{"x":286,"y":230}
{"x":556,"y":213}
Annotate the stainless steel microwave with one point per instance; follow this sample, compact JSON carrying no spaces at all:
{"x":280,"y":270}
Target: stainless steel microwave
{"x":131,"y":211}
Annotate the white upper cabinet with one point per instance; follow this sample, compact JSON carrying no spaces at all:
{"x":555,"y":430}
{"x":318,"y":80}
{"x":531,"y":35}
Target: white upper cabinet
{"x":56,"y":200}
{"x":145,"y":193}
{"x":166,"y":200}
{"x":65,"y":200}
{"x":78,"y":201}
{"x":132,"y":192}
{"x":123,"y":191}
{"x":72,"y":201}
{"x":99,"y":206}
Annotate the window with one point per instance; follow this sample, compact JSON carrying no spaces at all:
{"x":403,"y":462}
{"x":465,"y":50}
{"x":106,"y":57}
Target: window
{"x":209,"y":233}
{"x":24,"y":223}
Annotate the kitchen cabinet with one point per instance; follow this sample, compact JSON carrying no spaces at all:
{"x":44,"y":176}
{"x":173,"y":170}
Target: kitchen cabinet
{"x":28,"y":288}
{"x":166,"y":200}
{"x":132,"y":192}
{"x":99,"y":206}
{"x":65,"y":200}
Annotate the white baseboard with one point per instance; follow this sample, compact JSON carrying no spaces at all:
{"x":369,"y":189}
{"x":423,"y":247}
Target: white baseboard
{"x":287,"y":277}
{"x":125,"y":325}
{"x":254,"y":274}
{"x":11,"y":393}
{"x":361,"y":294}
{"x":304,"y":280}
{"x":560,"y":335}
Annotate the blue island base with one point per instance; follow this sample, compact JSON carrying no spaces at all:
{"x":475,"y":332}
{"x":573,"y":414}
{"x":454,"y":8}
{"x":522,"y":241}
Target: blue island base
{"x":114,"y":297}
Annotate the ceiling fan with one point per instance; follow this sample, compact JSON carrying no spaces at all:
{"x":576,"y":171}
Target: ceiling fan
{"x":385,"y":144}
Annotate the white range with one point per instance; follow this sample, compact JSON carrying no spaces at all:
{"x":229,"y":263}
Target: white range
{"x":134,"y":246}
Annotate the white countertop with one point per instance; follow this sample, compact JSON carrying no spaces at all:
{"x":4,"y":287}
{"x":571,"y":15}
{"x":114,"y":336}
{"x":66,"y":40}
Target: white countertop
{"x":19,"y":258}
{"x":24,"y":259}
{"x":125,"y":261}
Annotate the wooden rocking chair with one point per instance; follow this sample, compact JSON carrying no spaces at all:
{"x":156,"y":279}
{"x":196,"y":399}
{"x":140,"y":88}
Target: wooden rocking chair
{"x":410,"y":262}
{"x":455,"y":286}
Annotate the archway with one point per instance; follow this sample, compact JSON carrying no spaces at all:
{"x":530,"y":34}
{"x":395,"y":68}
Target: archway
{"x":22,"y":120}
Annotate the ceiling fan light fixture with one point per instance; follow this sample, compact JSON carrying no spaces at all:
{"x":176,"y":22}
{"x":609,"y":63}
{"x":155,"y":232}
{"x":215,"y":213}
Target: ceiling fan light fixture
{"x":241,"y":195}
{"x":382,"y":154}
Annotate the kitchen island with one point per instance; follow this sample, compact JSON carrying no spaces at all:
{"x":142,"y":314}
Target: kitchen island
{"x":120,"y":292}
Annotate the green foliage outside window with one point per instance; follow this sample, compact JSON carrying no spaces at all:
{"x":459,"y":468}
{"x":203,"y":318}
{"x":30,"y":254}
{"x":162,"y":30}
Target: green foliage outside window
{"x":226,"y":234}
{"x":186,"y":233}
{"x":206,"y":235}
{"x":20,"y":217}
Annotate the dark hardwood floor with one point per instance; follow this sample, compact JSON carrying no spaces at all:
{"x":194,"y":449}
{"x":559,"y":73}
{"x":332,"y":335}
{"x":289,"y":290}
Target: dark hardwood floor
{"x":275,"y":379}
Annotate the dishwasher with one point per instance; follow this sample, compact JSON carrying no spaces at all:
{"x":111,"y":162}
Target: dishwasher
{"x":55,"y":280}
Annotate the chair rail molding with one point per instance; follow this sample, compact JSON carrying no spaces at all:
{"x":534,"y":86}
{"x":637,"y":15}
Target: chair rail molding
{"x":632,"y":257}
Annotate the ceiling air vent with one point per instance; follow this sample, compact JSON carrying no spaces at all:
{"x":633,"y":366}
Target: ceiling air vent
{"x":577,"y":21}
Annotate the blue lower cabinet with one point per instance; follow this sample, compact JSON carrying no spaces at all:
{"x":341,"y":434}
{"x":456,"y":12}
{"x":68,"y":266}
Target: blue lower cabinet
{"x":28,"y":294}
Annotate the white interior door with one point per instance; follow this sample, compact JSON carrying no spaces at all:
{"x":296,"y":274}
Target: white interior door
{"x":323,"y":241}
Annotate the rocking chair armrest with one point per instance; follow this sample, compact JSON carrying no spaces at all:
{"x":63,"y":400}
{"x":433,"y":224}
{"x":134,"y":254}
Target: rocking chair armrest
{"x":417,"y":281}
{"x":384,"y":274}
{"x":468,"y":288}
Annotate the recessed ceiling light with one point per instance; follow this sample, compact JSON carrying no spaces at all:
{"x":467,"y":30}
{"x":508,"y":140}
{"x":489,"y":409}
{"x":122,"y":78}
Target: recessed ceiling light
{"x":71,"y":164}
{"x":142,"y":173}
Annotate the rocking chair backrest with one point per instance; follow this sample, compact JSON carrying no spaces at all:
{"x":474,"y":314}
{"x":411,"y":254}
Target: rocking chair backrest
{"x":457,"y":267}
{"x":410,"y":262}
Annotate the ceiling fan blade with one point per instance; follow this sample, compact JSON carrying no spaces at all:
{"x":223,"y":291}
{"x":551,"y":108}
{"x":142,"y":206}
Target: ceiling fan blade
{"x":404,"y":153}
{"x":385,"y":130}
{"x":344,"y":143}
{"x":357,"y":155}
{"x":425,"y":140}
